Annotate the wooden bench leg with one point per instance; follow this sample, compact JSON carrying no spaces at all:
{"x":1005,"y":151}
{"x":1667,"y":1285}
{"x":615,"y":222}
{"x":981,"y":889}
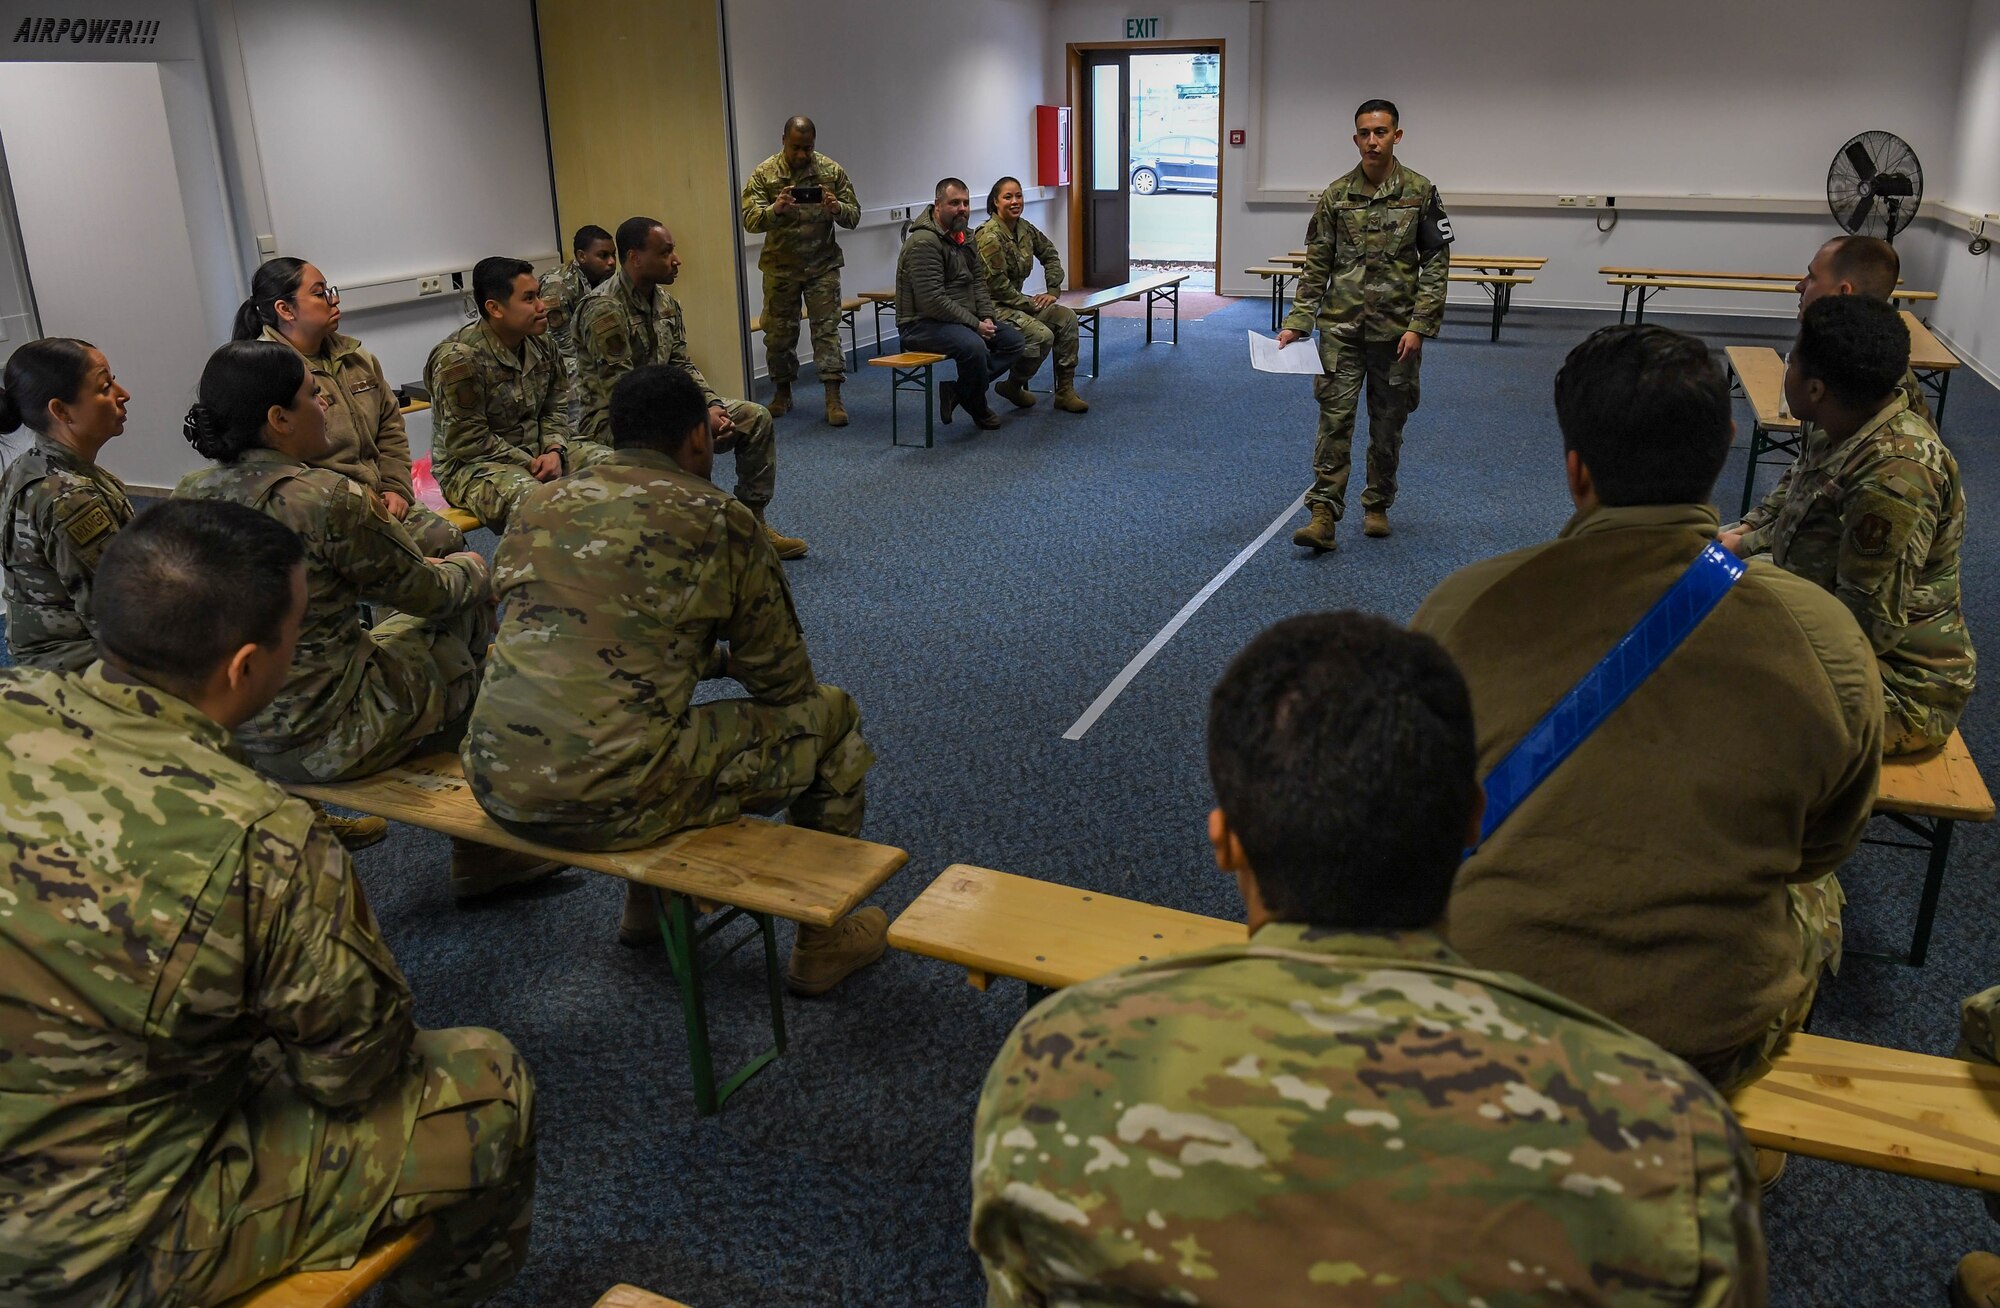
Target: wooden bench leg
{"x":1935,"y":839}
{"x":853,"y":338}
{"x":908,"y":379}
{"x":1624,"y":299}
{"x":684,"y":941}
{"x":1086,"y":325}
{"x":1936,"y":381}
{"x":1499,"y":307}
{"x":878,"y":327}
{"x":1757,"y":447}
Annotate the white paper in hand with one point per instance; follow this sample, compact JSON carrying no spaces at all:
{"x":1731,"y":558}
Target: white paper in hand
{"x":1301,"y":359}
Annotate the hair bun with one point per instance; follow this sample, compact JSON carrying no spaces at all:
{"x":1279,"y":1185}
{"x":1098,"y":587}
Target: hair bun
{"x":10,"y":413}
{"x":202,"y":429}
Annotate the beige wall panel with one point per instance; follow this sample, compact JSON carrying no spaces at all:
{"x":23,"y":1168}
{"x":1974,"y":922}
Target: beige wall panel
{"x":638,"y":125}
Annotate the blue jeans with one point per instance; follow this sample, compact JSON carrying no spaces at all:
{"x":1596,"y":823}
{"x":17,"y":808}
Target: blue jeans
{"x":978,"y":359}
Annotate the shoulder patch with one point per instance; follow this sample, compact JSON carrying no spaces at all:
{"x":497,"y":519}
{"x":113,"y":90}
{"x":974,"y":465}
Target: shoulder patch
{"x":88,"y":525}
{"x":1871,"y":534}
{"x":458,"y":379}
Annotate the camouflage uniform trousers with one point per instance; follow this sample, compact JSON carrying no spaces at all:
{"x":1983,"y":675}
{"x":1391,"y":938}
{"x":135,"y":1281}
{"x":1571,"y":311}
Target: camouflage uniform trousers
{"x":465,"y":1158}
{"x":742,"y":756}
{"x":1050,"y":331}
{"x":416,"y":695}
{"x":821,"y":295}
{"x":1912,"y":723}
{"x":1392,"y":398}
{"x":491,"y":492}
{"x":1815,"y":912}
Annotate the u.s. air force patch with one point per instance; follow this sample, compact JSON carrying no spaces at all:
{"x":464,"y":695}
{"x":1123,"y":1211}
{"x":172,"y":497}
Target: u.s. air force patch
{"x":1871,"y":534}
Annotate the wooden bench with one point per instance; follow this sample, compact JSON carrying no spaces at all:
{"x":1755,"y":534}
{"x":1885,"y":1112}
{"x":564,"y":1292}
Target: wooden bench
{"x":910,"y":371}
{"x":337,"y":1289}
{"x":631,"y":1296}
{"x":849,"y":307}
{"x":1927,"y":795}
{"x":1087,"y":305}
{"x":884,"y":302}
{"x":1647,"y":287}
{"x":1757,"y":373}
{"x":1913,"y":1114}
{"x":762,"y":869}
{"x":1493,"y":275}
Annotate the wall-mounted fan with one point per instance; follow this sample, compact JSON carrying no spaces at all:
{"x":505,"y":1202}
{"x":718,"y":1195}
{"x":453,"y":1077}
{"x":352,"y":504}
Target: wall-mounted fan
{"x":1875,"y":185}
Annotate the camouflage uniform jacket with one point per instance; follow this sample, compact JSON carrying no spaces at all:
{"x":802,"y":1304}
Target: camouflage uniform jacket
{"x":938,"y":277}
{"x":363,"y":420}
{"x":166,"y":910}
{"x":490,"y":405}
{"x":1756,"y":523}
{"x":800,"y":243}
{"x":57,"y":515}
{"x":1008,"y":257}
{"x":1878,"y":520}
{"x":617,"y":330}
{"x":563,"y":288}
{"x":354,"y":553}
{"x":1316,"y":1117}
{"x":615,"y":584}
{"x":1368,"y":274}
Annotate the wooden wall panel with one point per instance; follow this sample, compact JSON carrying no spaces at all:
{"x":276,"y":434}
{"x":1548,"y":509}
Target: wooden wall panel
{"x":638,"y":125}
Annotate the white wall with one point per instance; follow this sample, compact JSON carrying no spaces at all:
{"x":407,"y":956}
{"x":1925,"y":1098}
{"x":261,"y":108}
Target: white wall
{"x":99,"y":201}
{"x":1967,"y":313}
{"x":1580,"y":97}
{"x":955,"y":97}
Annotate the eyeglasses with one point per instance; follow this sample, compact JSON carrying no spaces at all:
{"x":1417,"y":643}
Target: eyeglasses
{"x":330,"y":294}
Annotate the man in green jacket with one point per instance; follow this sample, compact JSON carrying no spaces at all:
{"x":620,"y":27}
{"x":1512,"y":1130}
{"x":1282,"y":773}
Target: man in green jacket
{"x":1377,"y":257}
{"x":943,"y":305}
{"x":1693,"y":907}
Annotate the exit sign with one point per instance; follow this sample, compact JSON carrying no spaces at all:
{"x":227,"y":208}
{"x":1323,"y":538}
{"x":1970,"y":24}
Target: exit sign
{"x":1142,"y":29}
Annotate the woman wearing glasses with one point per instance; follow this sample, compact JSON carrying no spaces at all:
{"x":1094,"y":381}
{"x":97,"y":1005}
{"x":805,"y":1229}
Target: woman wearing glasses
{"x":291,"y":302}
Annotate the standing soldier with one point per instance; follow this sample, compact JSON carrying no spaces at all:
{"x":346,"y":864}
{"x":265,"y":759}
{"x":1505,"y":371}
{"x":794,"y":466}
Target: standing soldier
{"x":1373,"y":287}
{"x":497,"y":397}
{"x":795,"y":197}
{"x":633,"y":320}
{"x":565,"y":287}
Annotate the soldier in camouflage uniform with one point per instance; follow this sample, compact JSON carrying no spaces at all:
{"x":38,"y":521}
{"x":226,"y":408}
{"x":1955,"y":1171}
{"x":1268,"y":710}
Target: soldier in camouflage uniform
{"x":621,"y":587}
{"x":1009,"y":246}
{"x":497,"y":399}
{"x":292,"y":302}
{"x":1340,"y":1109}
{"x":801,"y":261}
{"x":564,"y":288}
{"x":1373,"y":286}
{"x":1875,"y":513}
{"x":358,"y":698}
{"x":58,"y":509}
{"x":214,"y":1078}
{"x":632,"y":320}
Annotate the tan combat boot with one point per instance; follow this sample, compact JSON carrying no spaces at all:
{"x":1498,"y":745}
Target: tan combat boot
{"x":836,"y":412}
{"x":1375,"y":522}
{"x":353,"y":832}
{"x":781,"y":402}
{"x":1977,"y":1284}
{"x":1015,"y":392}
{"x":640,"y":923}
{"x":823,"y":956}
{"x":481,"y":869}
{"x":1318,"y":534}
{"x":788,"y":547}
{"x":1770,"y":1166}
{"x":1066,"y":397}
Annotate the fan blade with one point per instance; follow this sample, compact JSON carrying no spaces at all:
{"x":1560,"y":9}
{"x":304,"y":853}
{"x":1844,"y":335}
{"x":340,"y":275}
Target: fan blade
{"x":1864,"y":167}
{"x":1860,"y":214}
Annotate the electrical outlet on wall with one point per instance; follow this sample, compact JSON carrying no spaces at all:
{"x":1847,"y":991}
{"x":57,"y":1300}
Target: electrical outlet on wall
{"x":430,"y":285}
{"x":898,"y":214}
{"x":1566,"y":201}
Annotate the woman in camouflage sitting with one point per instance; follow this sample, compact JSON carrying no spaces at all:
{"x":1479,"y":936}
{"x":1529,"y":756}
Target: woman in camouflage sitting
{"x":58,"y":509}
{"x":1009,"y":246}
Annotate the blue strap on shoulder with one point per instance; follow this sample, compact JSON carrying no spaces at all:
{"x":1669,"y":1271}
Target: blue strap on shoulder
{"x":1634,"y":658}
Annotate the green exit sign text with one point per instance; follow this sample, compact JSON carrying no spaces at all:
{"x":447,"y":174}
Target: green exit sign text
{"x":1142,"y":29}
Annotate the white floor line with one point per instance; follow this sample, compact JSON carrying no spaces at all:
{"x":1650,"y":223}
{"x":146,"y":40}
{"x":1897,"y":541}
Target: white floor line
{"x":1174,"y":624}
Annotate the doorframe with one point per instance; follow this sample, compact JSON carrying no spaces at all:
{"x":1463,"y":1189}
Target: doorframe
{"x":1075,"y":52}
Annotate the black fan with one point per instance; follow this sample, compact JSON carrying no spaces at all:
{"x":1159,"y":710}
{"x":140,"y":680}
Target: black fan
{"x":1875,"y":185}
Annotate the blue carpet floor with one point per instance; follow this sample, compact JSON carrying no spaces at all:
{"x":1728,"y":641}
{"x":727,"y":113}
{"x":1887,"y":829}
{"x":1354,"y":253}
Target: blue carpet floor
{"x":975,"y":598}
